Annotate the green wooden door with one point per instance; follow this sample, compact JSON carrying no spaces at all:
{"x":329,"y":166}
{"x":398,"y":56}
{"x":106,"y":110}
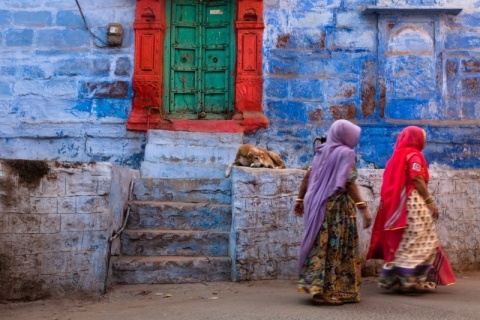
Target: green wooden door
{"x":199,"y":56}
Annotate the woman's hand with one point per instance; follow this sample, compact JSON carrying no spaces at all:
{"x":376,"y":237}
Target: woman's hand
{"x":434,"y":210}
{"x":367,"y":217}
{"x":298,"y":208}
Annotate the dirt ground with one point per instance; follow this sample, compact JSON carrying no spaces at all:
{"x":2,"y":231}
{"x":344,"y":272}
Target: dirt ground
{"x":276,"y":299}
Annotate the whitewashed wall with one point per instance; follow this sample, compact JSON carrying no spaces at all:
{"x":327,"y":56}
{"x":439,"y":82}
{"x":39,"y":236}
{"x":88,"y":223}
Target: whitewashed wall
{"x":266,"y":234}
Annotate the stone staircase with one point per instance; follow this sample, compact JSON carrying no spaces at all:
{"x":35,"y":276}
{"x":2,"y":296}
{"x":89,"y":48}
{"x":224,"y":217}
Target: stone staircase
{"x":180,"y":218}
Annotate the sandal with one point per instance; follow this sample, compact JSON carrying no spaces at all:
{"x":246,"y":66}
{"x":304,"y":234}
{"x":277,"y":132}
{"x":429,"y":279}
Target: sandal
{"x":351,"y":299}
{"x":321,"y":301}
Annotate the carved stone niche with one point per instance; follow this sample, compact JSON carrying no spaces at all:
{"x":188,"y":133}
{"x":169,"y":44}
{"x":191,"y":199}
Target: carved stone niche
{"x":410,"y":62}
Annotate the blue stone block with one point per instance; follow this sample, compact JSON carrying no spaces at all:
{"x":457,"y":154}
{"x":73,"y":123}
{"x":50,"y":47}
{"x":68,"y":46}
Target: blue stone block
{"x":123,"y":66}
{"x":303,"y":39}
{"x":19,"y":37}
{"x":7,"y":71}
{"x":471,"y":87}
{"x":116,"y":89}
{"x":32,"y":72}
{"x":63,"y":38}
{"x":281,"y":67}
{"x":5,"y":89}
{"x":311,"y":66}
{"x":82,"y":106}
{"x":33,"y":18}
{"x":462,"y":40}
{"x":116,"y":108}
{"x":5,"y":17}
{"x":276,"y":88}
{"x":292,"y":111}
{"x":309,"y":89}
{"x":471,"y":110}
{"x":72,"y":67}
{"x":69,"y":18}
{"x":101,"y":67}
{"x":407,"y":109}
{"x":470,"y":19}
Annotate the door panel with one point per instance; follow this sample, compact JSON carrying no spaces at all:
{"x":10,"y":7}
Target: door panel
{"x":214,"y":103}
{"x":185,"y":11}
{"x":184,"y":59}
{"x":184,"y":103}
{"x":199,"y":50}
{"x":215,"y":80}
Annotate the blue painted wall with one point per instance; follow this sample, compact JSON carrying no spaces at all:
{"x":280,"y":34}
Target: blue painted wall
{"x":325,"y":60}
{"x":64,"y":98}
{"x":61,"y":96}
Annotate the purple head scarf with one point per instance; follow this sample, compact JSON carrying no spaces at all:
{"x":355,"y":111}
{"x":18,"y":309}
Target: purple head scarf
{"x":331,"y":167}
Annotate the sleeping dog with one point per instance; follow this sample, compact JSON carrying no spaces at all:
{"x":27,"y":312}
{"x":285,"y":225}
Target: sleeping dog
{"x":255,"y":157}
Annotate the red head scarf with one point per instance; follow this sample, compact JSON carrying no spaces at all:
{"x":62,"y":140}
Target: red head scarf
{"x":392,"y":214}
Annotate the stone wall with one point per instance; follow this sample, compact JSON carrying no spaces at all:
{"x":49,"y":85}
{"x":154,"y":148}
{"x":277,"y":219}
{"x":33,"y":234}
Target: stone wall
{"x":266,"y":234}
{"x":55,"y":222}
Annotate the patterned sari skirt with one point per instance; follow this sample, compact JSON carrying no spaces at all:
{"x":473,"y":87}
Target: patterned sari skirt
{"x":332,"y":270}
{"x":414,"y":258}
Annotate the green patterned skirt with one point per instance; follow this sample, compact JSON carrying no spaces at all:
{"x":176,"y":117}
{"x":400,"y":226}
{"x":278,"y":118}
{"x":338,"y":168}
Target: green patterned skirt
{"x":332,"y":270}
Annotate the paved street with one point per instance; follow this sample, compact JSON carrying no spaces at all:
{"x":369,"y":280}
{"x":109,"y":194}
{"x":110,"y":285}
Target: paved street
{"x":253,"y":300}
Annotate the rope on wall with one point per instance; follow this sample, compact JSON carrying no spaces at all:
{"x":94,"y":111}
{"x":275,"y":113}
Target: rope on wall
{"x":92,"y":35}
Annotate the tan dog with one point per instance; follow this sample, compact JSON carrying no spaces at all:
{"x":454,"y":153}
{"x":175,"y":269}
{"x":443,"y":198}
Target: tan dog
{"x":255,"y":157}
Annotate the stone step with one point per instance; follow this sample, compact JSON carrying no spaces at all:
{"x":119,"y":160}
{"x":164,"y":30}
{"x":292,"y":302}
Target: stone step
{"x":183,"y":190}
{"x":173,"y":154}
{"x":174,"y":242}
{"x":185,"y":138}
{"x":169,"y":269}
{"x":179,"y":216}
{"x":182,"y":170}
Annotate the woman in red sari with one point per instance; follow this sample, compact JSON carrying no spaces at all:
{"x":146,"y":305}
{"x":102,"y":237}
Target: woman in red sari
{"x":404,"y":233}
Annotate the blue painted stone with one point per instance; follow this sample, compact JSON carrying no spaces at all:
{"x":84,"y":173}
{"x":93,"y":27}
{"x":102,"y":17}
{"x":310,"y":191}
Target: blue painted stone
{"x":32,"y":18}
{"x":68,"y":18}
{"x":19,"y":37}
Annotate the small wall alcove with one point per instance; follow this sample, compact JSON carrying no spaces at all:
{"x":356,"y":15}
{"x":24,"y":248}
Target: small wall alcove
{"x":410,"y":62}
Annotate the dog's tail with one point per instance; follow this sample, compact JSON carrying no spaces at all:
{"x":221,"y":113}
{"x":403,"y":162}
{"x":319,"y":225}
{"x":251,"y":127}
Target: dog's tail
{"x":277,"y":160}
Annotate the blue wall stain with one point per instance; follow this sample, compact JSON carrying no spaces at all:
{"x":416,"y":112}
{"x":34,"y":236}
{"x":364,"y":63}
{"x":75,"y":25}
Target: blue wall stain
{"x":82,"y":106}
{"x":112,"y":108}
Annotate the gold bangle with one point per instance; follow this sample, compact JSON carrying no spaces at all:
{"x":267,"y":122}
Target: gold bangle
{"x":359,"y":203}
{"x":429,"y":202}
{"x":299,"y":200}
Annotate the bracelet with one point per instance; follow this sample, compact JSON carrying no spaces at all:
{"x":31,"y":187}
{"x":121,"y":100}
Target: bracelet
{"x":299,"y":200}
{"x":359,"y":203}
{"x":429,"y":202}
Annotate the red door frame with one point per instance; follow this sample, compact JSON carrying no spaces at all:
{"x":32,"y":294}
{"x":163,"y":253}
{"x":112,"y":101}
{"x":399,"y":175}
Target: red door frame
{"x":147,"y":107}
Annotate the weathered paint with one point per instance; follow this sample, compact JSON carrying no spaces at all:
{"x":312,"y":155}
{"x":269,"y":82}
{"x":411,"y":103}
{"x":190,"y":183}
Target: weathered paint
{"x":55,"y":222}
{"x":62,"y":98}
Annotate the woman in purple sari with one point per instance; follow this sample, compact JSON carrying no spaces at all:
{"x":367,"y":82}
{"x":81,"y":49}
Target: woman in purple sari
{"x":329,"y":261}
